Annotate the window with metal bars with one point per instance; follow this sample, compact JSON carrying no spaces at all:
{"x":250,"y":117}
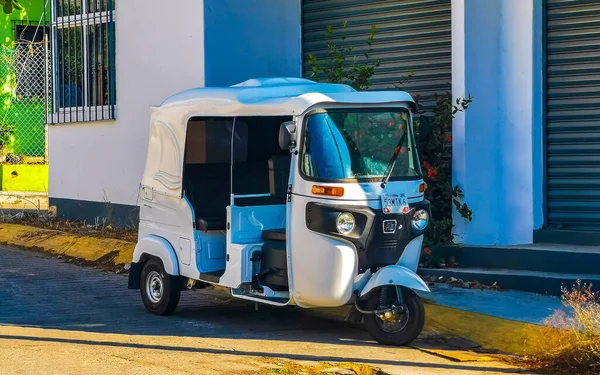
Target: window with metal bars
{"x":83,"y":64}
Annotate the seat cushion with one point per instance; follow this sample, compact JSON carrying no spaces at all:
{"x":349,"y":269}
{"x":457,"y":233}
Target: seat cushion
{"x":206,"y":224}
{"x":259,"y":201}
{"x":274,"y":234}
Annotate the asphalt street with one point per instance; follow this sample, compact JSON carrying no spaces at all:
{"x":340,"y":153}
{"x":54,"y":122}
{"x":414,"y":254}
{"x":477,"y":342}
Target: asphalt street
{"x":60,"y":318}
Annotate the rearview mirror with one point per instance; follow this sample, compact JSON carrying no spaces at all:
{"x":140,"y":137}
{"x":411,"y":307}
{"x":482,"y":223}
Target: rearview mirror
{"x":287,"y":135}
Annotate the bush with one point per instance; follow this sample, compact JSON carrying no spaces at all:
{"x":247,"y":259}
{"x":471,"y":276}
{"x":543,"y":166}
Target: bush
{"x":435,"y":153}
{"x":571,"y":339}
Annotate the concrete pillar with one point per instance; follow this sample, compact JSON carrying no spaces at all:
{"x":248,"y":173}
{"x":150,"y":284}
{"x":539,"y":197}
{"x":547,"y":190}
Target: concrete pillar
{"x":495,"y":141}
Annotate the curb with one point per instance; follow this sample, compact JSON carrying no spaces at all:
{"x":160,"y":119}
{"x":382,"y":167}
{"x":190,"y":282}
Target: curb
{"x":90,"y":249}
{"x":490,"y":332}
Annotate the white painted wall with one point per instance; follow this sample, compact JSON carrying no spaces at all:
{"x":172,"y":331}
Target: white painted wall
{"x":159,"y":51}
{"x":496,"y":57}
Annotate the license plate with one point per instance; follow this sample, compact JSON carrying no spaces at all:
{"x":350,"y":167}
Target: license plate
{"x":394,"y":203}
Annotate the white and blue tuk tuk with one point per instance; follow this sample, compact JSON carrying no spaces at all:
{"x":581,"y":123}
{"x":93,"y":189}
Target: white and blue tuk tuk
{"x":287,"y":192}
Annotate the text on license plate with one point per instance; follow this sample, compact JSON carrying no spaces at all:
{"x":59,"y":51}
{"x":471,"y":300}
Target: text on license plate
{"x":394,"y":203}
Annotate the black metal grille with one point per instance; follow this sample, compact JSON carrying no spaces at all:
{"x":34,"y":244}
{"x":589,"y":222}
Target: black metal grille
{"x":387,"y":245}
{"x":83,"y":69}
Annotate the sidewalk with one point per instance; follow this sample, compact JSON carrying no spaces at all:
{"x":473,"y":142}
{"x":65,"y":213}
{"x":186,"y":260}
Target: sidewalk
{"x":511,"y":305}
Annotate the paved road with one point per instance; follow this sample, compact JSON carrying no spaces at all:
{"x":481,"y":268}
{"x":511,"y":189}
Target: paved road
{"x":57,"y":317}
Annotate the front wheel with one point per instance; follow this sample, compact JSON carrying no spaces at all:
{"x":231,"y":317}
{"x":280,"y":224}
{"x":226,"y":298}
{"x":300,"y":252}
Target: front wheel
{"x":397,"y":327}
{"x":160,"y":291}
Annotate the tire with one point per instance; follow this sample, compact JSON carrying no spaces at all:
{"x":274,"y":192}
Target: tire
{"x":408,"y":331}
{"x":167,"y":289}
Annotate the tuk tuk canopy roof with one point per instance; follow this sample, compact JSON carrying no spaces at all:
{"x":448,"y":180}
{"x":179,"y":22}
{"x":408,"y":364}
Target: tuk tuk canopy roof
{"x":255,"y":97}
{"x":275,"y":97}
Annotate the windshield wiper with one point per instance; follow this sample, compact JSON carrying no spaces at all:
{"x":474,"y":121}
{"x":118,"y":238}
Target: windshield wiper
{"x":392,"y":163}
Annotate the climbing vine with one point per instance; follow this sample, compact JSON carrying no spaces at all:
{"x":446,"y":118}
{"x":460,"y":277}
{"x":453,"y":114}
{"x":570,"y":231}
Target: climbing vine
{"x":433,"y":127}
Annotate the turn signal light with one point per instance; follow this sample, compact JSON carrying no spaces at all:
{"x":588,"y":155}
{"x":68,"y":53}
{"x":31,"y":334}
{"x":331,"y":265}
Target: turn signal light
{"x":332,"y":191}
{"x":422,"y":187}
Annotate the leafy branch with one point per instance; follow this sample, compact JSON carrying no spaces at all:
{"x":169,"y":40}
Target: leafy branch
{"x":342,"y":64}
{"x":9,"y":5}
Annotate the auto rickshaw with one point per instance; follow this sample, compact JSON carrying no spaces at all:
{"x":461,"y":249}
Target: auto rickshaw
{"x":287,"y":192}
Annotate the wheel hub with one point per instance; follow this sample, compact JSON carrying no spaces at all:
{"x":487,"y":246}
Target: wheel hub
{"x":393,"y":320}
{"x":154,"y":286}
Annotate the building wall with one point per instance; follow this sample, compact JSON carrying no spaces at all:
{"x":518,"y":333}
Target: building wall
{"x":251,"y":39}
{"x":159,"y":51}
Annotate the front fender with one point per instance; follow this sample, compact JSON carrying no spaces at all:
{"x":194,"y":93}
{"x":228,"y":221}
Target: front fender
{"x":159,"y":248}
{"x":395,"y":275}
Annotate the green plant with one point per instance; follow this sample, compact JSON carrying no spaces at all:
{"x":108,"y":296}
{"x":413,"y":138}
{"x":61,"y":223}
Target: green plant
{"x":9,"y":5}
{"x":342,"y":64}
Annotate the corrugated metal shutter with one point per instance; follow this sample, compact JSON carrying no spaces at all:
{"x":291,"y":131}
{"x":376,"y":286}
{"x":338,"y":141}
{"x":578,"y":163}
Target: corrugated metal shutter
{"x":573,"y":114}
{"x":412,"y":35}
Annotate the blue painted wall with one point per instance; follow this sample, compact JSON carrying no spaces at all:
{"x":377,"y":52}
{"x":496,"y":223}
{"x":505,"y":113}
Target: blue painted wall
{"x":251,"y":39}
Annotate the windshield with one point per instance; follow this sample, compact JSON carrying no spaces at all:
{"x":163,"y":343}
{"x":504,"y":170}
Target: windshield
{"x":358,"y":145}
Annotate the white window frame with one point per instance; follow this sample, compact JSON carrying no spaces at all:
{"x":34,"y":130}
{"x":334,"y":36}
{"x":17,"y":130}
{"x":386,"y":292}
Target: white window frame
{"x":85,"y":113}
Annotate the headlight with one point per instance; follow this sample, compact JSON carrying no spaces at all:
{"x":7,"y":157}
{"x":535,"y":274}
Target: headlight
{"x":420,"y":220}
{"x":345,"y":223}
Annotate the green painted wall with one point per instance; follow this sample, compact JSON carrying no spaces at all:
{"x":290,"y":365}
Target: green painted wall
{"x":24,"y":177}
{"x":26,"y":114}
{"x":34,"y":9}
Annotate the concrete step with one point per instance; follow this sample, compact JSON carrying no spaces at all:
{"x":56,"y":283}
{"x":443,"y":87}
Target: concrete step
{"x":554,"y":258}
{"x":549,"y":283}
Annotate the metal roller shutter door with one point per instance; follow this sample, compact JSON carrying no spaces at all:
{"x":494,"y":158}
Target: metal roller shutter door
{"x":573,"y":114}
{"x":412,"y":35}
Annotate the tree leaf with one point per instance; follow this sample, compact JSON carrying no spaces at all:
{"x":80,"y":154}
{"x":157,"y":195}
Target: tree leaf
{"x":7,"y":7}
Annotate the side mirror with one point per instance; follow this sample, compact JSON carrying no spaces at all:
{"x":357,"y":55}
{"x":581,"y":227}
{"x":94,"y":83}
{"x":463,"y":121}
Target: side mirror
{"x":287,"y":135}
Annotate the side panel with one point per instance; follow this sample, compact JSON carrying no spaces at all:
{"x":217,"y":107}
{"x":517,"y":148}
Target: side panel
{"x":160,"y":248}
{"x":170,"y":218}
{"x":323,"y":268}
{"x":210,"y":251}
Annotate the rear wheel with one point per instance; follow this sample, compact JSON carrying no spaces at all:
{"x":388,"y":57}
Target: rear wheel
{"x":399,"y":326}
{"x":160,"y":291}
